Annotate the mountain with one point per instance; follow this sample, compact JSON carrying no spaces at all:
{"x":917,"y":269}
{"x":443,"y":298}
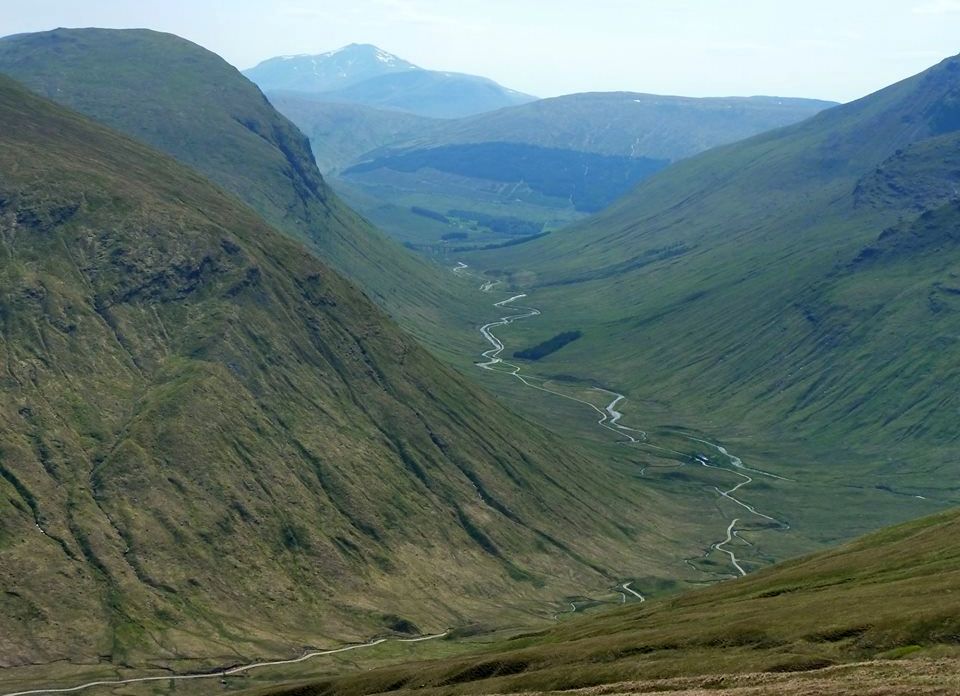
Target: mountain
{"x":189,"y":103}
{"x":626,"y":123}
{"x":548,"y":163}
{"x":795,"y":293}
{"x":214,"y":448}
{"x":876,"y":616}
{"x":364,"y":74}
{"x":329,"y":71}
{"x":430,"y":93}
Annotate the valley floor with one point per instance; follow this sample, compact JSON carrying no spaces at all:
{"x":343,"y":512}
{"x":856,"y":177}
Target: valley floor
{"x":712,"y":478}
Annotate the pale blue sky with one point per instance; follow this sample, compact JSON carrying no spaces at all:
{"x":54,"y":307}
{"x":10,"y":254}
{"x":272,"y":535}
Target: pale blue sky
{"x":831,"y":49}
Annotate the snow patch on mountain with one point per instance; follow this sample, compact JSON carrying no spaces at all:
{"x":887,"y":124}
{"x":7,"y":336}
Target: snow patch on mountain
{"x":384,"y":57}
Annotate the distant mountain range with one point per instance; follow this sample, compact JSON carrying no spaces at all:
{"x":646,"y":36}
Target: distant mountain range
{"x":477,"y":157}
{"x":365,"y":74}
{"x":625,"y":124}
{"x":546,"y":163}
{"x":327,"y":72}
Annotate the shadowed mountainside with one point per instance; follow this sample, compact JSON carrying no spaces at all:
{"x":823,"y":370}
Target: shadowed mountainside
{"x":216,"y":447}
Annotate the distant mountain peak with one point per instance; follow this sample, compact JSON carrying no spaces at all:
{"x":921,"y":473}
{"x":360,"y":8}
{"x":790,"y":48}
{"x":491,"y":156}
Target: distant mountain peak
{"x":359,"y":51}
{"x":369,"y":50}
{"x":336,"y":69}
{"x":366,"y":74}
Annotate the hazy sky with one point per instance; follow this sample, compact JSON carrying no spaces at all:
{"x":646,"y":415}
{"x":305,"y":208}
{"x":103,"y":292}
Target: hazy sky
{"x":832,"y":49}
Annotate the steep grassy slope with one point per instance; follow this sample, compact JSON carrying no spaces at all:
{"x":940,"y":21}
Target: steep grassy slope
{"x":887,"y":595}
{"x":189,"y":103}
{"x":558,"y":158}
{"x":214,"y":448}
{"x":739,"y":287}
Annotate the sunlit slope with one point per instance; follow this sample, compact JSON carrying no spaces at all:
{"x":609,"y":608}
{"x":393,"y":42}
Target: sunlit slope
{"x":624,"y":123}
{"x":735,"y":285}
{"x":191,"y":104}
{"x":213,"y":447}
{"x":891,"y":594}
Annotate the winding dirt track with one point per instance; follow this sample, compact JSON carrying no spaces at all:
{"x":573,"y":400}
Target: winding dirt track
{"x":626,"y":586}
{"x":719,"y":547}
{"x":494,"y":363}
{"x":223,"y":674}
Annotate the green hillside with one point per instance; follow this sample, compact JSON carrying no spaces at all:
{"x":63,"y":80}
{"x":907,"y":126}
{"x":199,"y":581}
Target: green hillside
{"x":217,"y":450}
{"x":189,"y":103}
{"x":793,"y":295}
{"x":784,"y":630}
